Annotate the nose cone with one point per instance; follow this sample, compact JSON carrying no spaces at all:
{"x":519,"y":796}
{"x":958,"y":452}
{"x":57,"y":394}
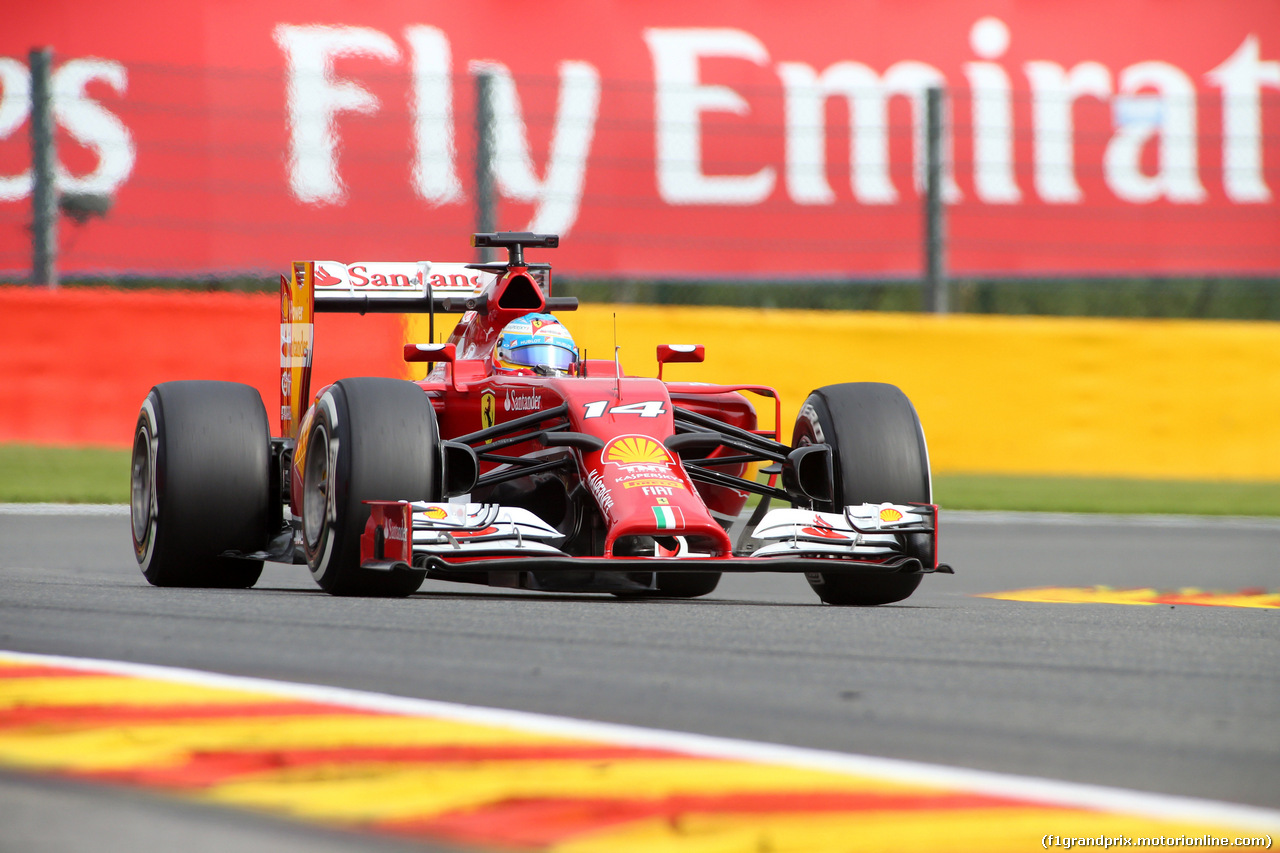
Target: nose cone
{"x":643,"y":490}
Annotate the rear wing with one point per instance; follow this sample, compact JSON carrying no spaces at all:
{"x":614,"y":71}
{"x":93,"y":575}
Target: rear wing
{"x":360,"y":288}
{"x":391,"y":287}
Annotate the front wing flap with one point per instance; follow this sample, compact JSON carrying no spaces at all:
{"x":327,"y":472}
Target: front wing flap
{"x":869,"y":538}
{"x":469,"y":530}
{"x":866,"y":531}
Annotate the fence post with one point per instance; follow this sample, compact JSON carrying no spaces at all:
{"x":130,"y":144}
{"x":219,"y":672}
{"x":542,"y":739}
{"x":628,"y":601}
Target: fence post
{"x":935,"y":220}
{"x":44,"y":194}
{"x":485,"y":201}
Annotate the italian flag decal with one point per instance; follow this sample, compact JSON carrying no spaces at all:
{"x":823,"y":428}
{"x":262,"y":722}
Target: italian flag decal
{"x":669,"y":517}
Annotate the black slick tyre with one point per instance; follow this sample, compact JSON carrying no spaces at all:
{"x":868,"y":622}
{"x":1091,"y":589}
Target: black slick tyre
{"x":371,"y":439}
{"x":199,"y":484}
{"x":879,"y":456}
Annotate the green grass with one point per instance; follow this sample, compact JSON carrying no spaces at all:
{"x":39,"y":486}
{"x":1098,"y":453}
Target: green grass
{"x":31,"y":474}
{"x":1087,"y":494}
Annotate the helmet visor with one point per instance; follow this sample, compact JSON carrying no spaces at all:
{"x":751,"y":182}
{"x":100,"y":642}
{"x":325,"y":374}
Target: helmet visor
{"x":550,"y":355}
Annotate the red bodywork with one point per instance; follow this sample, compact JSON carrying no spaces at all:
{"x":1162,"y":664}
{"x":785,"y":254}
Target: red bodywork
{"x":634,"y":472}
{"x":636,"y":486}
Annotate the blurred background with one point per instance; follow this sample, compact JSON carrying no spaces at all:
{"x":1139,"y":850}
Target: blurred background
{"x":1054,"y":225}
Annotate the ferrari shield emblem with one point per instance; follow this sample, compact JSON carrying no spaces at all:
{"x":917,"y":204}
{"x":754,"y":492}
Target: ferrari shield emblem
{"x":488,"y":410}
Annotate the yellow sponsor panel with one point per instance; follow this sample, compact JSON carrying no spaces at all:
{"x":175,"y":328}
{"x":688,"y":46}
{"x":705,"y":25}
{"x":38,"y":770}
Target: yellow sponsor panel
{"x":1165,"y":399}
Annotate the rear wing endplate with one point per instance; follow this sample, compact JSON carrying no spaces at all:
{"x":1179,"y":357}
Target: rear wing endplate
{"x":360,"y":288}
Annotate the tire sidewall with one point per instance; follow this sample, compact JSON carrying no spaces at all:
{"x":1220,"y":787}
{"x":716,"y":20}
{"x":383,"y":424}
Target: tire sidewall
{"x":147,"y":444}
{"x":381,"y":442}
{"x":814,"y":426}
{"x":325,"y":551}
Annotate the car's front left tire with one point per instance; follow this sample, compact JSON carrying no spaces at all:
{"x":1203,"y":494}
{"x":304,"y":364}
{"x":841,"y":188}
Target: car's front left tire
{"x":370,"y":439}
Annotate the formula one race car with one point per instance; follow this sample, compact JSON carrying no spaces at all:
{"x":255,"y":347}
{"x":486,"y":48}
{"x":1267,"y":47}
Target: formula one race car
{"x":516,"y":463}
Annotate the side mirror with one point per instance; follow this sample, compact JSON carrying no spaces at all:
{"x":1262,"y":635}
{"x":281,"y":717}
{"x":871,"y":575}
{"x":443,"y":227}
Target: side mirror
{"x":430,"y":353}
{"x":680,"y":353}
{"x":808,"y":473}
{"x":461,"y":468}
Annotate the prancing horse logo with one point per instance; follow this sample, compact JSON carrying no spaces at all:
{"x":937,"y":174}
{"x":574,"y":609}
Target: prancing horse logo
{"x":488,"y":411}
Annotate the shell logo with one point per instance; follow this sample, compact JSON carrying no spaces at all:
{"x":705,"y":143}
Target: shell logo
{"x":435,"y":512}
{"x":888,"y":514}
{"x":635,"y":450}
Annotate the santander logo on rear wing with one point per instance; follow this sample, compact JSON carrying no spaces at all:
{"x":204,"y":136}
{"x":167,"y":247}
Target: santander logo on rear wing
{"x":357,"y":288}
{"x":382,"y":279}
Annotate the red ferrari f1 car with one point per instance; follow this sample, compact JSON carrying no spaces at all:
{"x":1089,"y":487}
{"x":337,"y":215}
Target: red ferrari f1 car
{"x":517,"y":463}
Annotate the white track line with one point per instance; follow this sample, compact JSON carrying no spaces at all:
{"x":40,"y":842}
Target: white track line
{"x":1091,"y":519}
{"x":1047,"y":791}
{"x":64,"y":509}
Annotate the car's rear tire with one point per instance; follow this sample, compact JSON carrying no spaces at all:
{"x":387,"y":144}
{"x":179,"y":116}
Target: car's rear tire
{"x":371,"y":439}
{"x":200,"y":484}
{"x":879,"y":454}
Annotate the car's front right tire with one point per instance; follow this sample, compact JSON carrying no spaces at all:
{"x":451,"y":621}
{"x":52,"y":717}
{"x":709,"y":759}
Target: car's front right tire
{"x":879,"y":455}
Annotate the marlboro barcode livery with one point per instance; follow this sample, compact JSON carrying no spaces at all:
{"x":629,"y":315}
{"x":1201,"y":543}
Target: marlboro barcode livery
{"x":519,"y":462}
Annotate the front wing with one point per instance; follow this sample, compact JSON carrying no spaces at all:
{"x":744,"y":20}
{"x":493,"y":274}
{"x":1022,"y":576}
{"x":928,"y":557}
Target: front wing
{"x":470,"y":538}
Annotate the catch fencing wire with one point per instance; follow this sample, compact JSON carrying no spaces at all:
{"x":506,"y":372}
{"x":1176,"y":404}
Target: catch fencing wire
{"x":247,"y":163}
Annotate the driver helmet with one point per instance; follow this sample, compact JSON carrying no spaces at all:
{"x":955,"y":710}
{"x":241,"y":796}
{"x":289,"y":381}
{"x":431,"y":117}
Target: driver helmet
{"x":535,"y":345}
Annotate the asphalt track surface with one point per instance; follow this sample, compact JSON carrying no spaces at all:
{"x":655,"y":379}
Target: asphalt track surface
{"x":1179,"y":700}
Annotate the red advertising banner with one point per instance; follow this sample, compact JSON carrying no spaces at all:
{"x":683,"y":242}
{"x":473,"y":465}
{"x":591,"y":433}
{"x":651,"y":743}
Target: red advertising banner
{"x":727,"y":138}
